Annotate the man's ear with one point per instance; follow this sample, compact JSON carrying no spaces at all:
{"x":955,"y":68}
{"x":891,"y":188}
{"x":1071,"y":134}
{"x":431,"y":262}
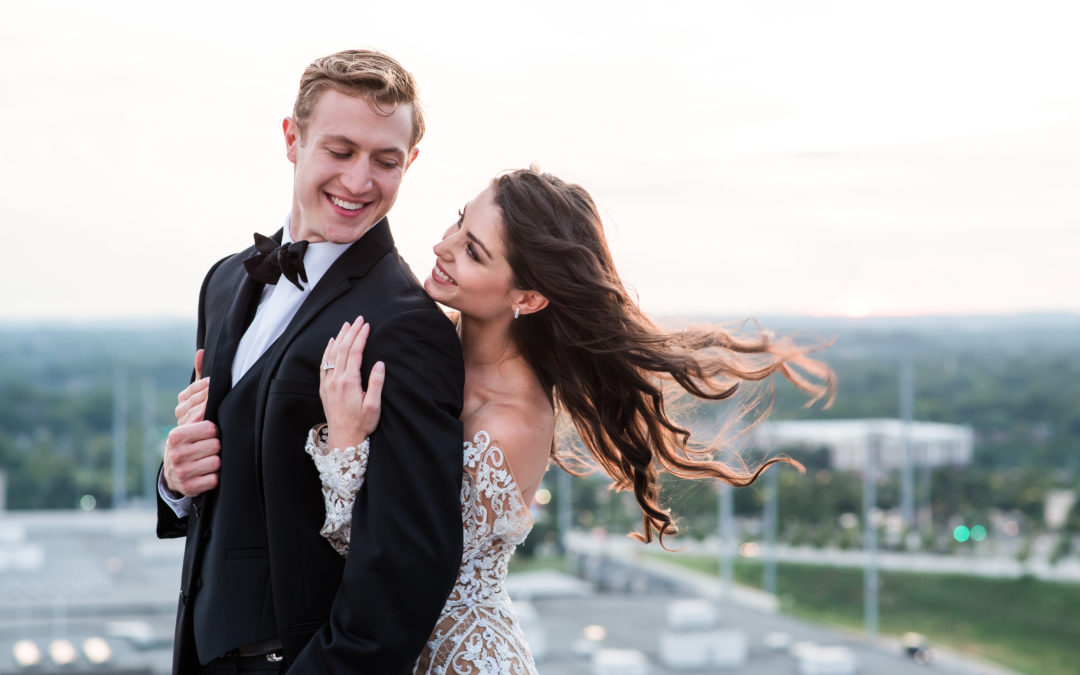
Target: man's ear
{"x":292,"y":137}
{"x":528,"y":302}
{"x":412,"y":157}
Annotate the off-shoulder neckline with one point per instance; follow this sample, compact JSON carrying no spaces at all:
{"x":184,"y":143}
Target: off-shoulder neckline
{"x":475,"y":442}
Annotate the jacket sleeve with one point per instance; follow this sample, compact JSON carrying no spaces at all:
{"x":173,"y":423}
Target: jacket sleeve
{"x":406,"y":543}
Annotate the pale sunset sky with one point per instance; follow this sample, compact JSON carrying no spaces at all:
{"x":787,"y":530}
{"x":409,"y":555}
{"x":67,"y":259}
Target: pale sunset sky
{"x":749,"y":158}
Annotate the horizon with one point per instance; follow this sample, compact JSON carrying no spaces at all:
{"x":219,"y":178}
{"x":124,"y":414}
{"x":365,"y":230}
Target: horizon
{"x":1033,"y":316}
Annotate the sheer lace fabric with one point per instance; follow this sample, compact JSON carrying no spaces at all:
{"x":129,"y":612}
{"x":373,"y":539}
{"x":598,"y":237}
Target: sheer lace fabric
{"x":341,"y":472}
{"x":478,"y":631}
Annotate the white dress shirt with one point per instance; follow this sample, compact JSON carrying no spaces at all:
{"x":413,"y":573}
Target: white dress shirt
{"x":279,"y":303}
{"x":277,"y":306}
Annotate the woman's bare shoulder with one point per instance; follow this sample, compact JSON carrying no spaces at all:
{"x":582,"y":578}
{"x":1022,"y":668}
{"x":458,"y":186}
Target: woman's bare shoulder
{"x":524,"y":432}
{"x":507,"y":421}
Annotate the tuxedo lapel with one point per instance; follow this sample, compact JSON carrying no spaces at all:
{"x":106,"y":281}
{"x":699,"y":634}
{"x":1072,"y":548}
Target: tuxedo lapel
{"x":217,"y":360}
{"x":234,"y":321}
{"x":353,"y":264}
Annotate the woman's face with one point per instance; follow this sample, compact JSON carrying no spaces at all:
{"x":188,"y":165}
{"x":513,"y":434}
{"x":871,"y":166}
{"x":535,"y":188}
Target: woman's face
{"x":471,"y":273}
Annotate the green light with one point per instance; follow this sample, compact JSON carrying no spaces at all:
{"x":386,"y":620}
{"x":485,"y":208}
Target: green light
{"x":978,"y":533}
{"x":961,"y":533}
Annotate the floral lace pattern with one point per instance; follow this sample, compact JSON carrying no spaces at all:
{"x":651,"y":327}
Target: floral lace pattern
{"x":478,"y":631}
{"x":341,"y":472}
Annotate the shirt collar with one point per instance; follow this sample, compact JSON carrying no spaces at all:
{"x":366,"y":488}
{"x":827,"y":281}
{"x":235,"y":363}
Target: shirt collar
{"x":319,"y":256}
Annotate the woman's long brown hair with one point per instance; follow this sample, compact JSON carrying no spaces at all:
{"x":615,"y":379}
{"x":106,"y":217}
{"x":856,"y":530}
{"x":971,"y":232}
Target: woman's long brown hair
{"x":605,"y":363}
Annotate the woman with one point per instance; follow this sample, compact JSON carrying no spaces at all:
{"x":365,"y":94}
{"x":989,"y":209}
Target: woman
{"x":546,"y":326}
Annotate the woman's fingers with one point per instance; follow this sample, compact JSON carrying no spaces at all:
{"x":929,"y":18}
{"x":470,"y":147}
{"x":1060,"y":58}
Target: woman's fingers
{"x":198,"y":364}
{"x":350,"y":413}
{"x":344,"y":345}
{"x":327,"y":359}
{"x":356,"y":349}
{"x":341,"y":387}
{"x":373,"y":398}
{"x":370,"y":403}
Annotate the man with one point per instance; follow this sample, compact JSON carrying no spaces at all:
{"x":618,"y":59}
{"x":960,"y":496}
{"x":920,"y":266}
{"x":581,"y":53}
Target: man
{"x":261,"y":590}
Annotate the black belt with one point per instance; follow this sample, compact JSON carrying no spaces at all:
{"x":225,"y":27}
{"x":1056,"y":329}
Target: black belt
{"x":274,"y":662}
{"x":271,"y":649}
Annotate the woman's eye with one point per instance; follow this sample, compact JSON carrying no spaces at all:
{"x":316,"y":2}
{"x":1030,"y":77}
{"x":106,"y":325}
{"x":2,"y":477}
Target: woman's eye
{"x":460,"y":218}
{"x":339,"y":155}
{"x":471,"y":250}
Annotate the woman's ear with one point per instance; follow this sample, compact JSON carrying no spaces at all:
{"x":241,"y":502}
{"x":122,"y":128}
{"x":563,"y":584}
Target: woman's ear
{"x":528,"y":302}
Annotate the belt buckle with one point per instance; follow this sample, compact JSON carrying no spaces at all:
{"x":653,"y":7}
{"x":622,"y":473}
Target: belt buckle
{"x":275,"y":657}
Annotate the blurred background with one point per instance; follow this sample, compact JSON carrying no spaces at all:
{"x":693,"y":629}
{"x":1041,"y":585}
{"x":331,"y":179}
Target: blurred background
{"x":898,"y":180}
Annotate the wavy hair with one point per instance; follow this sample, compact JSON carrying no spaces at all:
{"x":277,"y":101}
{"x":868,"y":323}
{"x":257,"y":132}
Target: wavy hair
{"x":606,"y":365}
{"x":366,"y":73}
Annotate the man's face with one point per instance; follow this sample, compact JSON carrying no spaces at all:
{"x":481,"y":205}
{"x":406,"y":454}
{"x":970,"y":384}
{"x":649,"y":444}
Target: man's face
{"x":348,"y":165}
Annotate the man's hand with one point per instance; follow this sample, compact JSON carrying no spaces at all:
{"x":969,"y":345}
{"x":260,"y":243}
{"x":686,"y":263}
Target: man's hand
{"x":192,"y":458}
{"x":191,"y":403}
{"x":193,"y":450}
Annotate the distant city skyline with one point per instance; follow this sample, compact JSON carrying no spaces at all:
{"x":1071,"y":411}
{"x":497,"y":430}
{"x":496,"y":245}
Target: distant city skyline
{"x":840,"y":158}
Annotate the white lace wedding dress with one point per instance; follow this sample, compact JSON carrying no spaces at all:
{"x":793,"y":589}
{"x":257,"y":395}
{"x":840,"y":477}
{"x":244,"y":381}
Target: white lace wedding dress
{"x":478,"y":631}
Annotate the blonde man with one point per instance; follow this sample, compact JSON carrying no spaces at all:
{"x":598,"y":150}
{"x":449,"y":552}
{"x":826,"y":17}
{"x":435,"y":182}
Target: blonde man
{"x":261,"y":591}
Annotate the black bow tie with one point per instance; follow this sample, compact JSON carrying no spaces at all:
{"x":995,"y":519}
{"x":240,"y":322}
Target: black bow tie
{"x":272,"y":261}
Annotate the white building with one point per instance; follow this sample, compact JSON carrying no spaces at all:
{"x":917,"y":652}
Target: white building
{"x":848,"y":441}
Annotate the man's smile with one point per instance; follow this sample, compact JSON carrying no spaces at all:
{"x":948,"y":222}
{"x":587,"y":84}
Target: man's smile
{"x":347,"y":205}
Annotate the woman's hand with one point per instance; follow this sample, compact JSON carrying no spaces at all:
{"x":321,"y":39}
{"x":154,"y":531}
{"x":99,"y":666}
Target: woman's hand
{"x":351,"y":413}
{"x":191,"y":403}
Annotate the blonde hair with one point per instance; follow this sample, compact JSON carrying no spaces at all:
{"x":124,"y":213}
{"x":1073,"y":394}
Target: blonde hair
{"x":366,"y":73}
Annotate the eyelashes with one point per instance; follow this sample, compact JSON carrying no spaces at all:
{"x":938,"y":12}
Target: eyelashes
{"x":470,"y":250}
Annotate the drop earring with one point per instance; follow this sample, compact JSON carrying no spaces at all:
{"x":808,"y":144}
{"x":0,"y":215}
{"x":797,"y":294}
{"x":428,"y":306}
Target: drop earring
{"x":517,"y":312}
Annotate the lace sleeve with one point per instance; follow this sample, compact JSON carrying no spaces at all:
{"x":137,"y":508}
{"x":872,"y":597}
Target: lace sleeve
{"x":341,"y":472}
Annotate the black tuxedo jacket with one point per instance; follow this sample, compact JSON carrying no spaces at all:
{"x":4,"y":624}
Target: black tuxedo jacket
{"x":371,"y":612}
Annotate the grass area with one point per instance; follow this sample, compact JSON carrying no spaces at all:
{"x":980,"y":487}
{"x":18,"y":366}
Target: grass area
{"x":521,"y":563}
{"x":1029,"y":625}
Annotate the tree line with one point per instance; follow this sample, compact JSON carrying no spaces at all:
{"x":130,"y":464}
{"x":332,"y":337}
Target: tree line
{"x":1016,"y":382}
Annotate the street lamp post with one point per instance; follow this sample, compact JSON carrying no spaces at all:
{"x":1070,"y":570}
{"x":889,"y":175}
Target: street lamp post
{"x":565,"y":507}
{"x":907,"y":471}
{"x":120,"y":423}
{"x":771,"y":495}
{"x":870,"y":572}
{"x":726,"y":513}
{"x":149,"y":454}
